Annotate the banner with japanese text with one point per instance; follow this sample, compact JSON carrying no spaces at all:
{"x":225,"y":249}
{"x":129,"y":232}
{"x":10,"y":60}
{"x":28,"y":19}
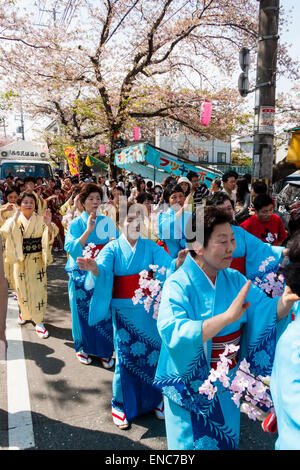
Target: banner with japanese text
{"x":72,"y":159}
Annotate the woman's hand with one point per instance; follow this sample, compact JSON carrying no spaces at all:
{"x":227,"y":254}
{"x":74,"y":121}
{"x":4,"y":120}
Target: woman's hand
{"x":10,"y":207}
{"x":181,"y":257}
{"x":239,"y":305}
{"x":286,"y":302}
{"x":212,"y":326}
{"x":288,"y":297}
{"x":91,"y":222}
{"x":88,"y":264}
{"x":16,"y":216}
{"x":47,"y":217}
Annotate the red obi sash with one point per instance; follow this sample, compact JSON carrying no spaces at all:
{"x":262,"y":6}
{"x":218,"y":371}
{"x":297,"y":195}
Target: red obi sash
{"x":239,"y":264}
{"x":125,"y":286}
{"x":163,"y":245}
{"x":218,"y":347}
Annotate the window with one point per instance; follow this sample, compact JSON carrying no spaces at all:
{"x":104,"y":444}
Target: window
{"x":21,"y":170}
{"x":221,"y":157}
{"x":183,"y":152}
{"x":204,"y":157}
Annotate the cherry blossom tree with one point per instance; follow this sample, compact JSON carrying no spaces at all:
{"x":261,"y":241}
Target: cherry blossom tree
{"x":128,"y":62}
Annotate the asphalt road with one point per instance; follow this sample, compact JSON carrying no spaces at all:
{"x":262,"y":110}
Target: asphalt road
{"x":69,"y":403}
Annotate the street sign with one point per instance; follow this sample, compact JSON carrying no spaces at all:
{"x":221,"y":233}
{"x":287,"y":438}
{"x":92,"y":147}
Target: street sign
{"x":266,"y":120}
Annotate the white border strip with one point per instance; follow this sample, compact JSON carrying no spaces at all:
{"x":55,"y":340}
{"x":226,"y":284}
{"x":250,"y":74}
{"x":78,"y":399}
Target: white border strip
{"x":20,"y":428}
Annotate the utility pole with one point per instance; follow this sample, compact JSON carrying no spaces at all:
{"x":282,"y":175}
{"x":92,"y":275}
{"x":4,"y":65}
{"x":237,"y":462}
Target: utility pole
{"x":263,"y":154}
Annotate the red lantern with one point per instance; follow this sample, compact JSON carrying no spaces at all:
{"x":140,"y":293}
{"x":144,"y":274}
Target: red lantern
{"x":205,"y":113}
{"x":136,"y":133}
{"x":102,"y":149}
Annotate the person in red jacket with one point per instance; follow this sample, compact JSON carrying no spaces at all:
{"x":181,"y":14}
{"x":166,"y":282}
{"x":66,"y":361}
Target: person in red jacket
{"x":264,"y":224}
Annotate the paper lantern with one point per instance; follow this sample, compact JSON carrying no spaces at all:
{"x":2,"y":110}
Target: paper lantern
{"x":102,"y":149}
{"x":205,"y":113}
{"x":136,"y":133}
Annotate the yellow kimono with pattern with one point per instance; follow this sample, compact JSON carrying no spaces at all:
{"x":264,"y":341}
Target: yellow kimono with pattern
{"x":8,"y":268}
{"x":28,"y":246}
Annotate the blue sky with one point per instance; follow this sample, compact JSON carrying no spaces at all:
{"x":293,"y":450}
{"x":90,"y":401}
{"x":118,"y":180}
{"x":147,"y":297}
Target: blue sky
{"x":291,"y":37}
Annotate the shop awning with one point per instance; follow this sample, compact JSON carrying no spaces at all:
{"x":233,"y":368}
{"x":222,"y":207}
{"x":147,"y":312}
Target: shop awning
{"x":156,"y":164}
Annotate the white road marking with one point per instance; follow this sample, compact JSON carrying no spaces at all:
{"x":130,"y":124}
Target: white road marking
{"x":20,"y":427}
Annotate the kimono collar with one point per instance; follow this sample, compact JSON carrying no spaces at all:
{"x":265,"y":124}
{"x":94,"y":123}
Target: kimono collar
{"x":171,"y":211}
{"x":195,"y":273}
{"x":84,"y":216}
{"x":125,"y":243}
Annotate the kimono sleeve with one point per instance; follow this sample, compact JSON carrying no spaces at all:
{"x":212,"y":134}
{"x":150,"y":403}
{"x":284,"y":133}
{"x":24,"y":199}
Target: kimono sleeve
{"x":181,"y":336}
{"x":259,"y":331}
{"x":47,"y":243}
{"x":285,"y":388}
{"x":256,"y":251}
{"x":13,"y":241}
{"x":102,"y":285}
{"x":165,"y":225}
{"x":72,"y":242}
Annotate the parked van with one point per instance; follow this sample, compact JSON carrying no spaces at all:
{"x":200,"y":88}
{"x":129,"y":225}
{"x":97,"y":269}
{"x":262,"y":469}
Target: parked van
{"x":22,"y":159}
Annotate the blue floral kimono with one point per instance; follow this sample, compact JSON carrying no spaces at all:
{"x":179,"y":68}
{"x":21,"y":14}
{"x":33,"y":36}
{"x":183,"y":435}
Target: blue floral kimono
{"x":172,"y":231}
{"x":136,"y":339}
{"x":285,"y":385}
{"x":188,"y":298}
{"x":96,"y":340}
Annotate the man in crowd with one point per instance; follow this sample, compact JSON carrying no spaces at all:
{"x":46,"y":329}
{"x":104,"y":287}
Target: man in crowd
{"x":199,"y":190}
{"x":229,"y":184}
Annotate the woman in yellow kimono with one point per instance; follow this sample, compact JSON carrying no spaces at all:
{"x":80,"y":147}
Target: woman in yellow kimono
{"x":6,"y":211}
{"x":29,"y":239}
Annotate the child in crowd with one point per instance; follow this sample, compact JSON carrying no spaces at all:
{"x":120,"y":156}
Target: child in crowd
{"x":264,"y":224}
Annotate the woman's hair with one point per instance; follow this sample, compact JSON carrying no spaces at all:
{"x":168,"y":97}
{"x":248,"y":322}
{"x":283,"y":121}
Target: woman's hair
{"x":204,"y":220}
{"x":291,"y":274}
{"x":25,"y":194}
{"x":172,"y":189}
{"x":242,"y":189}
{"x":10,"y":191}
{"x":87,"y":189}
{"x":142,"y":197}
{"x":291,"y":271}
{"x":293,"y":247}
{"x":139,"y":183}
{"x":217,"y":199}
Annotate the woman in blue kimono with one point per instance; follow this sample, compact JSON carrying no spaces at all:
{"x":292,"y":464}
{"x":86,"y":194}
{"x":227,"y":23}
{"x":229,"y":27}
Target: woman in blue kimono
{"x":172,"y":223}
{"x":88,"y":234}
{"x":285,"y":378}
{"x":137,"y":343}
{"x":205,"y":306}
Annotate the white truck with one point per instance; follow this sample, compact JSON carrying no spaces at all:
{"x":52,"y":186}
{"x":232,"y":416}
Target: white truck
{"x":23,"y":158}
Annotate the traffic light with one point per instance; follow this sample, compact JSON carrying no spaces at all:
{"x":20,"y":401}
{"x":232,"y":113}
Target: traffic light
{"x":243,"y":81}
